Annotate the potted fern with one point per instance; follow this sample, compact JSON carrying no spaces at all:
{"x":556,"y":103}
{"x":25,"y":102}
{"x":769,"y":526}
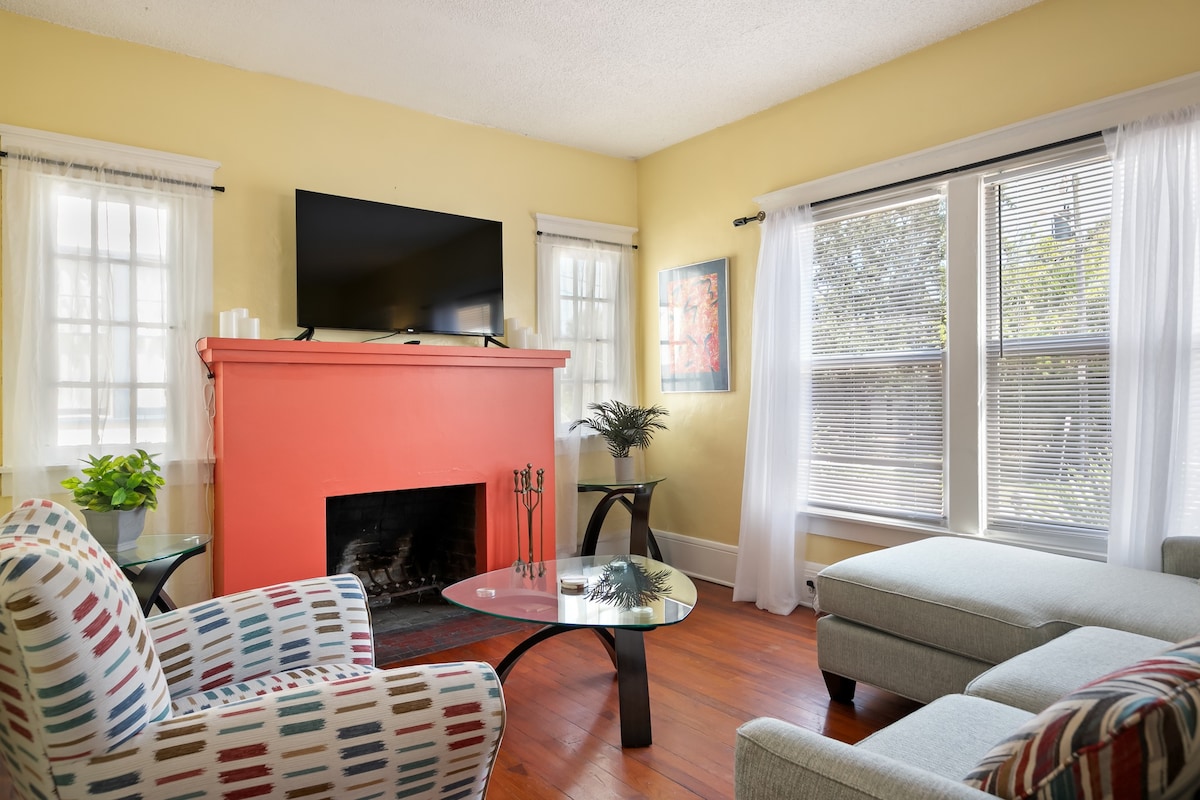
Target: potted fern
{"x":114,"y":495}
{"x":623,"y":427}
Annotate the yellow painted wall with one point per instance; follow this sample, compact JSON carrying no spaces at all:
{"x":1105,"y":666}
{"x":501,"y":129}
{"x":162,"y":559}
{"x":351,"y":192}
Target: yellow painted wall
{"x":1052,"y":56}
{"x":273,"y":136}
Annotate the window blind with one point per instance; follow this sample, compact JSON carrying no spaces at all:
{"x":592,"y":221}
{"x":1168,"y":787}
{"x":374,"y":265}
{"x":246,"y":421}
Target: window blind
{"x":879,"y":334}
{"x":1048,"y":431}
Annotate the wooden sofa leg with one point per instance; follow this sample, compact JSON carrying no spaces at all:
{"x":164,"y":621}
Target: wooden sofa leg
{"x":841,"y":690}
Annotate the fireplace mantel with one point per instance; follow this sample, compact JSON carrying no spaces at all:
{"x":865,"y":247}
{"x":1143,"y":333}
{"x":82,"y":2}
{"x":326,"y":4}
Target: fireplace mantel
{"x":297,"y":422}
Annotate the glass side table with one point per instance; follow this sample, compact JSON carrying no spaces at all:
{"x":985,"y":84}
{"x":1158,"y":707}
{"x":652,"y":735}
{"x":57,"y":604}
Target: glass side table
{"x":570,"y":596}
{"x":151,"y":562}
{"x":641,"y":538}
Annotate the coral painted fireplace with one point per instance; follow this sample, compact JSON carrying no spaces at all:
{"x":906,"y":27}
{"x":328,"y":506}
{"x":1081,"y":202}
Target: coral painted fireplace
{"x":299,"y":422}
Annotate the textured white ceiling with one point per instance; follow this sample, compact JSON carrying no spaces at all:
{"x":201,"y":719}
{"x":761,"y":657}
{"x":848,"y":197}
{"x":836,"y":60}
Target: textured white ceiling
{"x":619,"y":77}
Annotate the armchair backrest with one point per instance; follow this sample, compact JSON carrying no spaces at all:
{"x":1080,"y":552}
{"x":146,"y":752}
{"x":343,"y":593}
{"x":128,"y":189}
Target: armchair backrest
{"x":78,"y":674}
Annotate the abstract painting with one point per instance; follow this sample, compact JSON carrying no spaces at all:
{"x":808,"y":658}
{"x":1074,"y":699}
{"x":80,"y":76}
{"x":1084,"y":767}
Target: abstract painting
{"x":693,"y":314}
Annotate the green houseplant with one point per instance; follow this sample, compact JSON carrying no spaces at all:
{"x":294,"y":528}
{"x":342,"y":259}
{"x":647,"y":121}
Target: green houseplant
{"x":623,"y":428}
{"x":114,"y":495}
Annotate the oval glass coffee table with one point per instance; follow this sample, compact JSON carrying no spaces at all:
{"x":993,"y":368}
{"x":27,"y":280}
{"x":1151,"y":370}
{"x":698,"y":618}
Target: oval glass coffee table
{"x":627,"y":594}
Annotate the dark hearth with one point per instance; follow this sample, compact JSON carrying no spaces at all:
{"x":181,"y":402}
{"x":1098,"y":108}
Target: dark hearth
{"x":404,"y":545}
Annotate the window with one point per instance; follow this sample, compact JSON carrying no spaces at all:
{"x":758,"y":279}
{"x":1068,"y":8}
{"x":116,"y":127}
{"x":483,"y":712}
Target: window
{"x":585,"y":306}
{"x":107,"y":288}
{"x":1035,"y":345}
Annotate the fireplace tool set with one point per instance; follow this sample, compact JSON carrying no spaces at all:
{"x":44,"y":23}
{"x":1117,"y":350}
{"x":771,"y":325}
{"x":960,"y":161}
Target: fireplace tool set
{"x":528,"y":489}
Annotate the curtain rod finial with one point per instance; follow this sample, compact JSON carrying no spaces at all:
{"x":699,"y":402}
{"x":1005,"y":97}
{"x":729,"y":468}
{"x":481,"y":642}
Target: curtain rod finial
{"x":740,"y":221}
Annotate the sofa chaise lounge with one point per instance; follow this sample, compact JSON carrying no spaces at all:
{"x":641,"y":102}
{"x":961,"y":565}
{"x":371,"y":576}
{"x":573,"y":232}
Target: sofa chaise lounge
{"x":925,"y":619}
{"x":1063,"y":667}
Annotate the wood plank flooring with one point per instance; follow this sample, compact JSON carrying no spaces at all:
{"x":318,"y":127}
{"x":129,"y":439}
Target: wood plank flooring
{"x":725,"y":664}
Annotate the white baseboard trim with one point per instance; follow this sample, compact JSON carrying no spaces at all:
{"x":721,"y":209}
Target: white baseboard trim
{"x":698,"y":558}
{"x":703,"y":559}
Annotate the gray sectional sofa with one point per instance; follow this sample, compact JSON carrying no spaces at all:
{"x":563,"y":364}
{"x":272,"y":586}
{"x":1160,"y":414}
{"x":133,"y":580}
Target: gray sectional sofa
{"x":924,"y":619}
{"x":989,"y":636}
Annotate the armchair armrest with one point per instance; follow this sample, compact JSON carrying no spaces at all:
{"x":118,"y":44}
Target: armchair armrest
{"x":1181,"y":556}
{"x":263,"y":631}
{"x":774,"y":760}
{"x":423,"y":732}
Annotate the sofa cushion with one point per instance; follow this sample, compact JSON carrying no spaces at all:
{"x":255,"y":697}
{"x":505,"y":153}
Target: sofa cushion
{"x":1039,"y":677}
{"x":1134,"y":733}
{"x":991,"y":601}
{"x":948,"y":736}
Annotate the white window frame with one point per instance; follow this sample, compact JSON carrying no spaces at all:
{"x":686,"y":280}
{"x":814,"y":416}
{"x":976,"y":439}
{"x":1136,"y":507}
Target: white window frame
{"x":964,"y":244}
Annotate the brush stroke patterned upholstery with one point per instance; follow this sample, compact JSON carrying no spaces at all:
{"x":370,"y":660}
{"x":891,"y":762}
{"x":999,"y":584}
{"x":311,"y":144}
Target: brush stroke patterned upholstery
{"x":270,"y":693}
{"x":1132,"y":734}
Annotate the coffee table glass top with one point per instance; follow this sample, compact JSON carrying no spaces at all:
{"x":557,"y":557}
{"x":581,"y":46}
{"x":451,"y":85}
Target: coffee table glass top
{"x":597,"y":483}
{"x":156,"y":546}
{"x":607,"y":596}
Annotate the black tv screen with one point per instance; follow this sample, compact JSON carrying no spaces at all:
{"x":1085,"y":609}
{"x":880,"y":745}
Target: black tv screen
{"x":363,"y":265}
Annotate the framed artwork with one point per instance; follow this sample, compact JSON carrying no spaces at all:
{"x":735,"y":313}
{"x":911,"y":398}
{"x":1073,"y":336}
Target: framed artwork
{"x":693,"y":324}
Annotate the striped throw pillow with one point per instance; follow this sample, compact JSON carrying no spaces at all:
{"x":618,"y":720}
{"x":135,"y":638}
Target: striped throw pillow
{"x":1134,"y":733}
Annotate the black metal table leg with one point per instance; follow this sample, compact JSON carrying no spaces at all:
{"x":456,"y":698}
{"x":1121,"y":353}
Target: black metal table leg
{"x":628,"y":653}
{"x":640,"y":534}
{"x":641,"y":538}
{"x":591,"y":536}
{"x":633,"y":688}
{"x":550,"y":631}
{"x":149,"y":579}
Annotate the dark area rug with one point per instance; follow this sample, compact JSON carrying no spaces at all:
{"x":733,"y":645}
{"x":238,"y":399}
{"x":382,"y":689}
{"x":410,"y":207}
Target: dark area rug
{"x":407,"y":631}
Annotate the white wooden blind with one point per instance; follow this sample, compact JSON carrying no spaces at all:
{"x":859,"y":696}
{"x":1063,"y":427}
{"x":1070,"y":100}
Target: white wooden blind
{"x":1048,"y":429}
{"x":879,"y":334}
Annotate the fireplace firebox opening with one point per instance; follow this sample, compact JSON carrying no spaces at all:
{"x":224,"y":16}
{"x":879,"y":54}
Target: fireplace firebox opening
{"x":406,"y":545}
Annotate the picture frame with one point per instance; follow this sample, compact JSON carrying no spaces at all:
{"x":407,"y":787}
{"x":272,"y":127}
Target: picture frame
{"x":693,"y":314}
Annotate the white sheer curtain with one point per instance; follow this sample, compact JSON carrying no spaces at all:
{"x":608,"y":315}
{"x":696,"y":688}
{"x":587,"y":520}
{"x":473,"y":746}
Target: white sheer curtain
{"x":107,"y":287}
{"x":585,"y":305}
{"x":1155,"y":263}
{"x":780,"y":415}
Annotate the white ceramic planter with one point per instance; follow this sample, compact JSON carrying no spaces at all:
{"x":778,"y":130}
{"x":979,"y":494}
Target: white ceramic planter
{"x":623,"y":469}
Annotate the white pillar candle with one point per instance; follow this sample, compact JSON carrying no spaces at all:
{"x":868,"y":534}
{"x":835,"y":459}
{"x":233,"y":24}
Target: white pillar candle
{"x":229,"y":324}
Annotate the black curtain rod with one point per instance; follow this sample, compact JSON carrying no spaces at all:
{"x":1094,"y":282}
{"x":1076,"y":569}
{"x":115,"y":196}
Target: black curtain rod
{"x":941,"y":174}
{"x":586,"y":239}
{"x":121,"y":172}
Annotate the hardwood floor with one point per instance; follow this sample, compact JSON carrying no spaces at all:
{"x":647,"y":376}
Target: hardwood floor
{"x":725,"y":664}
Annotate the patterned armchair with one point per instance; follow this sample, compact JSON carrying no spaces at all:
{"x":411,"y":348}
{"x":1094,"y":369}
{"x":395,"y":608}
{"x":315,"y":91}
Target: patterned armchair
{"x":270,"y":693}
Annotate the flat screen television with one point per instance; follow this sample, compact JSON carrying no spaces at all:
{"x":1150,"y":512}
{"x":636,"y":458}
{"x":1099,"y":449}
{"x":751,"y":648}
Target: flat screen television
{"x":364,"y":265}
